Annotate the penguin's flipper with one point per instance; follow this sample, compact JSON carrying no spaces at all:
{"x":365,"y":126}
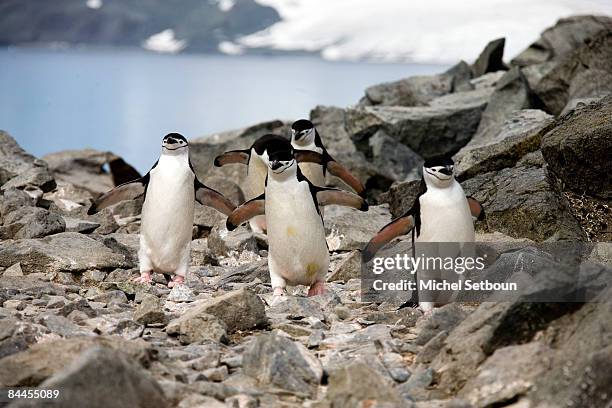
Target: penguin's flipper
{"x":476,"y":208}
{"x":232,"y":157}
{"x":126,"y":191}
{"x":245,"y":212}
{"x":328,"y":196}
{"x":341,"y":172}
{"x":211,"y":198}
{"x":397,"y":227}
{"x":308,"y":156}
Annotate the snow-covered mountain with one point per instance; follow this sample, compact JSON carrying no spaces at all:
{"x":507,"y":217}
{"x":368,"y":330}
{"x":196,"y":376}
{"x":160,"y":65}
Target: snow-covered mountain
{"x":411,"y":30}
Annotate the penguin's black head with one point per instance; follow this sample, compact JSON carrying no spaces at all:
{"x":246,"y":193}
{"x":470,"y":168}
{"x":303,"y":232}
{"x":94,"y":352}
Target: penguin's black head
{"x":174,"y":141}
{"x":438,"y":171}
{"x":301,"y":129}
{"x":278,"y":155}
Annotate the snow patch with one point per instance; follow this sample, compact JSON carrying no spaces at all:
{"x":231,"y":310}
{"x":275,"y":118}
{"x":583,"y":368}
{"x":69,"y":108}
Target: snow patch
{"x":230,"y":48}
{"x":435,"y":31}
{"x":165,"y":42}
{"x":94,"y":4}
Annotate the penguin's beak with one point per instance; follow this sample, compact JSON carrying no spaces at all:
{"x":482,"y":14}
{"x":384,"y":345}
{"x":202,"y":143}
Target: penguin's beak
{"x":275,"y":164}
{"x":448,"y":170}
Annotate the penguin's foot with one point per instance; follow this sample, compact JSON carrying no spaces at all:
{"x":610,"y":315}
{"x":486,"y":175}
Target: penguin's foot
{"x":278,"y":291}
{"x":176,"y":280}
{"x":317,"y":288}
{"x":145,"y":277}
{"x":427,"y":308}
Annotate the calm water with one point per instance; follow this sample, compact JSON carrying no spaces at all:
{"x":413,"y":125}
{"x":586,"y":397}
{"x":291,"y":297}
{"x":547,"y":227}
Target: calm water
{"x":125,"y":101}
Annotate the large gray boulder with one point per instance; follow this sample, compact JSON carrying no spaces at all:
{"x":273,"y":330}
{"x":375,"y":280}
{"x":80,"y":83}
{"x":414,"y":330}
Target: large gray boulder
{"x":85,"y":169}
{"x":102,"y":377}
{"x":577,"y":149}
{"x":522,"y":202}
{"x":358,"y":384}
{"x":495,"y":150}
{"x":490,"y":59}
{"x":417,"y":90}
{"x":441,"y":128}
{"x":46,"y":359}
{"x":581,"y":75}
{"x":238,"y":310}
{"x":511,"y":94}
{"x":561,"y":39}
{"x":277,"y":361}
{"x":20,"y":169}
{"x":65,"y":252}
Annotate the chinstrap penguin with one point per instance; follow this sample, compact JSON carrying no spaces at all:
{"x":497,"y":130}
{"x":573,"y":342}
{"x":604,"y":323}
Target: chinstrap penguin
{"x":441,"y":213}
{"x":304,"y":136}
{"x":254,"y":183}
{"x":297,"y":249}
{"x":169,"y":190}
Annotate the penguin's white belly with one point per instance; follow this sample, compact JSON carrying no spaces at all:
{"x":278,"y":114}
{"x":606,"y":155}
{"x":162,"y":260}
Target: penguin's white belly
{"x":254,"y":186}
{"x":167,"y":216}
{"x":314,"y":173}
{"x":296,"y":236}
{"x":445,"y":216}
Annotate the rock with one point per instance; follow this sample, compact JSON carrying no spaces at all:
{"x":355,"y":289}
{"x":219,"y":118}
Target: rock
{"x":522,"y":202}
{"x":441,"y":128}
{"x":492,"y":151}
{"x":490,"y":59}
{"x":582,"y":136}
{"x":31,"y":222}
{"x":103,"y":377}
{"x":392,"y":159}
{"x":68,"y":197}
{"x":62,"y":326}
{"x":198,"y":328}
{"x":222,"y":242}
{"x":297,"y":307}
{"x":17,"y":336}
{"x":149,"y":311}
{"x":13,"y":200}
{"x":207,"y":217}
{"x":246,"y":273}
{"x":508,"y":374}
{"x":14,"y":270}
{"x":79,"y":225}
{"x":401,"y":196}
{"x":356,"y":385}
{"x":585,"y":73}
{"x":330,"y":123}
{"x":511,"y":94}
{"x":279,"y":362}
{"x":84,"y":169}
{"x":239,"y":310}
{"x":565,"y":36}
{"x":488,"y":80}
{"x":348,"y":229}
{"x":490,"y":327}
{"x":20,"y":169}
{"x":415,"y":387}
{"x":181,"y":293}
{"x":68,"y":251}
{"x":446,"y":318}
{"x":45,"y":359}
{"x":416,"y":90}
{"x":349,"y":268}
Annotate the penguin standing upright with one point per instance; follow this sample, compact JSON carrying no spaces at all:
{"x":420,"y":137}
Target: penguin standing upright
{"x":441,"y":213}
{"x":170,"y":188}
{"x":297,"y":250}
{"x":316,"y":159}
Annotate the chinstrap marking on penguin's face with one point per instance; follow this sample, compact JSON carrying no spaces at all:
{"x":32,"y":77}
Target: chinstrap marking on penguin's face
{"x":302,"y":132}
{"x":174,"y":141}
{"x":438,"y":172}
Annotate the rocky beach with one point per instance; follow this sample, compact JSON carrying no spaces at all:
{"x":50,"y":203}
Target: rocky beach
{"x":531,"y":138}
